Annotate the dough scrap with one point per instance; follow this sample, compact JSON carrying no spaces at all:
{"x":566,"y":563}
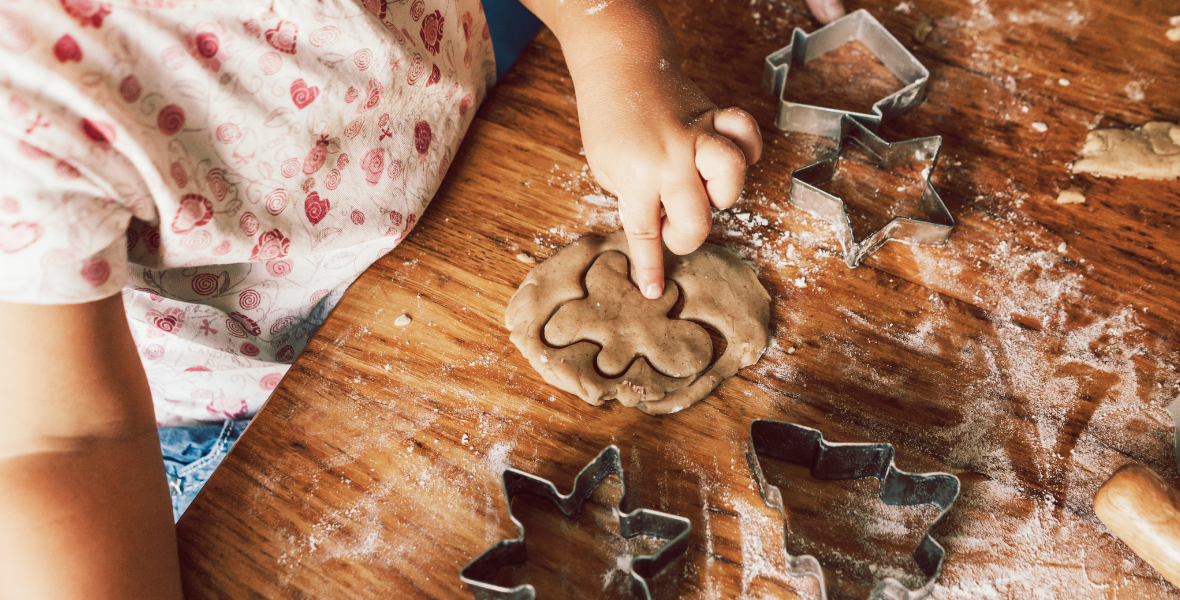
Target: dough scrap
{"x":1073,"y":195}
{"x":1149,"y":152}
{"x":719,"y":291}
{"x":923,"y":28}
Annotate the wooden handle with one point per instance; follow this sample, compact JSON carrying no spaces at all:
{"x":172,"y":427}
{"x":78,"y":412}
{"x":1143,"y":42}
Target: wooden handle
{"x":1143,"y":511}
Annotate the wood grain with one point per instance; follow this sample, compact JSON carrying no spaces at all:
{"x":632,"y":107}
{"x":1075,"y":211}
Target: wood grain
{"x":1031,"y":356}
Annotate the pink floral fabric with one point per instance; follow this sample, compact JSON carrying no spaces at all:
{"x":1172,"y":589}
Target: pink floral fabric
{"x":229,"y":166}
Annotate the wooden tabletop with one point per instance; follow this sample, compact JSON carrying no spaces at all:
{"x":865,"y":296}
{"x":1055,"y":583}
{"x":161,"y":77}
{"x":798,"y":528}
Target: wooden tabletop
{"x":1031,"y":356}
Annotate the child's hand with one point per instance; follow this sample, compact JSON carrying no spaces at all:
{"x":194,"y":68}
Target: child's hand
{"x":653,"y":139}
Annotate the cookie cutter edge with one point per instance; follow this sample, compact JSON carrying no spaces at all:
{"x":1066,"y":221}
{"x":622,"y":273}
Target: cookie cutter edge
{"x":673,"y":529}
{"x":806,"y":194}
{"x":804,"y":47}
{"x":830,"y":461}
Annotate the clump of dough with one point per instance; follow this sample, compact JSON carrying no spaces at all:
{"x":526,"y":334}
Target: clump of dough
{"x":1173,"y":34}
{"x":923,"y":28}
{"x":608,"y":327}
{"x":1073,"y":195}
{"x":1149,"y":152}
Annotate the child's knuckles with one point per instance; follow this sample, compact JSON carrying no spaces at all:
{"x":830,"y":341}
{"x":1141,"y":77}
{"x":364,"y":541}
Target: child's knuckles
{"x":680,"y":247}
{"x":736,"y":116}
{"x":741,"y":129}
{"x":735,"y":120}
{"x":691,"y":229}
{"x":720,"y":157}
{"x":643,"y":231}
{"x":641,"y":170}
{"x":684,"y":242}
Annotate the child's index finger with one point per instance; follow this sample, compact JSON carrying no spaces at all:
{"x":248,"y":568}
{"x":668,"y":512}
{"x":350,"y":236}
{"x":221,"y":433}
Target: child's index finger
{"x":642,"y":221}
{"x":648,"y":257}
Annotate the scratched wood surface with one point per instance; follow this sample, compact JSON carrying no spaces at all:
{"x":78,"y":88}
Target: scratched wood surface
{"x":1031,"y":356}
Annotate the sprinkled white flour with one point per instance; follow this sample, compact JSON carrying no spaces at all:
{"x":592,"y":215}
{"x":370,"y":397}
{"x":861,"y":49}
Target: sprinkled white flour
{"x":1040,"y":348}
{"x":1053,"y":386}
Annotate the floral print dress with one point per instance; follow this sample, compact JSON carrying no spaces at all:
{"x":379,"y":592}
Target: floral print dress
{"x":229,"y":166}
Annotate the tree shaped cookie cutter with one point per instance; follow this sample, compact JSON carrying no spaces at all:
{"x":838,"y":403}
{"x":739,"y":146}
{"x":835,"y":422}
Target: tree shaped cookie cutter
{"x":804,"y":47}
{"x":806,"y":194}
{"x":642,"y":521}
{"x":827,"y":460}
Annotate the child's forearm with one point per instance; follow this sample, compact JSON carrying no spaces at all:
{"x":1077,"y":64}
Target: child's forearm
{"x":91,"y":522}
{"x":615,"y":47}
{"x":84,"y":509}
{"x":652,"y":137}
{"x":608,"y":31}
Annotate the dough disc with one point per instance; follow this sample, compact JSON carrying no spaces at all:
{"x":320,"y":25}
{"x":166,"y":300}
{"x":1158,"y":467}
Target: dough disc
{"x":602,"y":329}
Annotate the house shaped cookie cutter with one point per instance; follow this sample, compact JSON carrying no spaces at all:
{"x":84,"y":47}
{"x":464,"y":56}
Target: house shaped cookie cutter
{"x":828,"y":461}
{"x":674,"y":529}
{"x":804,"y":47}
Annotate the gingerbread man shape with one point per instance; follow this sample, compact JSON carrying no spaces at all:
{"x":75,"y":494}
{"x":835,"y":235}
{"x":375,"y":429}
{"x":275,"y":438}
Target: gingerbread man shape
{"x":617,"y":317}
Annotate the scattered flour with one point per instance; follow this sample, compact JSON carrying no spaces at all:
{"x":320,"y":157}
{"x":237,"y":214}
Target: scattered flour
{"x":1035,"y":365}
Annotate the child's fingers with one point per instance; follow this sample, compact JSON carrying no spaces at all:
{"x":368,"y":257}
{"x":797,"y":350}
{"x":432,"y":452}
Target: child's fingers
{"x":741,"y":128}
{"x":826,"y":10}
{"x":723,"y":167}
{"x":689,"y":215}
{"x":642,"y":222}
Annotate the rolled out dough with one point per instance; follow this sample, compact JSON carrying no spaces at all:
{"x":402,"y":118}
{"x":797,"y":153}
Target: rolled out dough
{"x":606,"y":341}
{"x":1149,"y":152}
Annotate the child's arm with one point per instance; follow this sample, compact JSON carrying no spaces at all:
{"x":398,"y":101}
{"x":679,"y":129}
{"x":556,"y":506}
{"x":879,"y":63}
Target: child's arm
{"x":84,"y":508}
{"x":651,"y":136}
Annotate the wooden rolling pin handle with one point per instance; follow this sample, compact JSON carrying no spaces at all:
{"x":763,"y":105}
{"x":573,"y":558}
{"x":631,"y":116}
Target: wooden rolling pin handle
{"x":1143,"y":511}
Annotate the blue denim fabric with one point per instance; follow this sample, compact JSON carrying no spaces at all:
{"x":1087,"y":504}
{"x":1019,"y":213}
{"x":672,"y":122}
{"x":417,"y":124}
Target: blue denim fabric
{"x":190,"y":456}
{"x":512,"y":27}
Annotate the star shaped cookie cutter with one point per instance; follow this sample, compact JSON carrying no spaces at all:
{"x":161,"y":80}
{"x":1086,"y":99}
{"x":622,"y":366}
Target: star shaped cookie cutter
{"x":806,"y":194}
{"x":857,"y":26}
{"x":826,"y":460}
{"x":672,"y":528}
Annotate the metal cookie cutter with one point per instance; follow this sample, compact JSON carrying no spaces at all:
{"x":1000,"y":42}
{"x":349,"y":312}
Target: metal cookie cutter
{"x":634,"y":523}
{"x":806,"y":446}
{"x":806,"y":194}
{"x":858,"y":26}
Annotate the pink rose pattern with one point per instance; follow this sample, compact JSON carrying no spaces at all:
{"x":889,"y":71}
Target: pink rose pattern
{"x":279,"y":267}
{"x":271,"y":245}
{"x":194,"y":211}
{"x":432,"y":31}
{"x":96,"y":271}
{"x":226,"y":246}
{"x":87,"y":12}
{"x":316,"y":208}
{"x":270,"y":382}
{"x":209,"y":44}
{"x":167,"y":320}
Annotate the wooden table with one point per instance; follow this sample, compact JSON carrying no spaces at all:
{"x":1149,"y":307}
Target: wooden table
{"x":1030,"y":356}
